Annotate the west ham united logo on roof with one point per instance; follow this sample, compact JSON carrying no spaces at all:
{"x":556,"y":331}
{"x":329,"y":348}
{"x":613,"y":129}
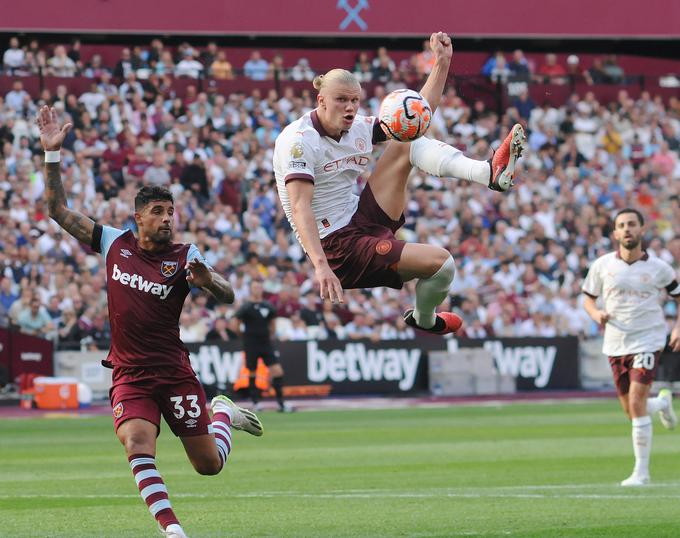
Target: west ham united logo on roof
{"x":169,"y":268}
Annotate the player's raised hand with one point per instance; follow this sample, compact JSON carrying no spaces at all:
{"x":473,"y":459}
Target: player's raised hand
{"x":198,"y":275}
{"x":51,"y":134}
{"x":329,"y":285}
{"x":441,"y":46}
{"x":675,"y":338}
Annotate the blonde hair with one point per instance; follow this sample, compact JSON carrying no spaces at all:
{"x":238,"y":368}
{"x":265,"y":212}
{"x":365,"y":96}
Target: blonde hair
{"x":339,"y":76}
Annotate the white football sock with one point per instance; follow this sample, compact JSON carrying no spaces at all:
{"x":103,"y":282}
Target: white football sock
{"x":441,"y":160}
{"x":430,"y":292}
{"x":642,"y":444}
{"x":654,"y":405}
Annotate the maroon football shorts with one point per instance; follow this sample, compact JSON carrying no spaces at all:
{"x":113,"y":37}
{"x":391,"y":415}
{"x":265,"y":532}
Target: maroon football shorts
{"x":364,"y":253}
{"x":639,"y":367}
{"x":181,"y":400}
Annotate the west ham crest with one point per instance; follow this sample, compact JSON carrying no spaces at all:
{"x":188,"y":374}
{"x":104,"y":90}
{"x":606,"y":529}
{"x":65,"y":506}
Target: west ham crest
{"x":168,"y":269}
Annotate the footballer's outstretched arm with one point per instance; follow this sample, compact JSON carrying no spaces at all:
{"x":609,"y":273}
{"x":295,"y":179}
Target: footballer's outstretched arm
{"x":200,"y":276}
{"x":52,"y":137}
{"x":434,"y":85}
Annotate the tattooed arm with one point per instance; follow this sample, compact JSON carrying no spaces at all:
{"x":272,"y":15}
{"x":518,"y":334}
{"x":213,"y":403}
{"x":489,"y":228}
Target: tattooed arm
{"x":202,"y":277}
{"x":52,"y":136}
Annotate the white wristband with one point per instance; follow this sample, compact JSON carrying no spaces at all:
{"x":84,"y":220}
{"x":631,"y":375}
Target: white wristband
{"x":53,"y":156}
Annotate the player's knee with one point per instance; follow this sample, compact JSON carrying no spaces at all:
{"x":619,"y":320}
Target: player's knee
{"x":136,"y":442}
{"x":443,"y":266}
{"x":208,"y":467}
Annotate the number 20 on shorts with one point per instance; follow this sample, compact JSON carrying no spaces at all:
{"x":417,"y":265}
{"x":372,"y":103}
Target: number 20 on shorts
{"x":644,"y":360}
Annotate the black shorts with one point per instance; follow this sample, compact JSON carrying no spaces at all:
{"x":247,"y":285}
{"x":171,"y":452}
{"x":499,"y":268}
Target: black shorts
{"x":267,"y":353}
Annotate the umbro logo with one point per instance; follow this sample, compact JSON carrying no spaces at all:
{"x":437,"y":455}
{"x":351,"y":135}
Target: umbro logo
{"x":125,"y":253}
{"x":191,"y":423}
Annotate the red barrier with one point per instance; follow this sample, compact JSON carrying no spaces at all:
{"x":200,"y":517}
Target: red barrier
{"x":24,"y":354}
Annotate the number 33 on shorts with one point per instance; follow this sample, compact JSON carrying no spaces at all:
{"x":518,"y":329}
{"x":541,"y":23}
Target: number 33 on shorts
{"x":189,"y":405}
{"x":644,"y":360}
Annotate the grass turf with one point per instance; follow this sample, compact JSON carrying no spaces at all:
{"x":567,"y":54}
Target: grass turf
{"x":512,"y":470}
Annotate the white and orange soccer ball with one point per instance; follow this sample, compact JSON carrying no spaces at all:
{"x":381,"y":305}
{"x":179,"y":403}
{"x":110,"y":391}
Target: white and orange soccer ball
{"x":405,"y":115}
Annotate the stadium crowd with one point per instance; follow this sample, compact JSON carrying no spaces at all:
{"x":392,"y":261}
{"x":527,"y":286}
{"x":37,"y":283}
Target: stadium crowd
{"x":521,"y":255}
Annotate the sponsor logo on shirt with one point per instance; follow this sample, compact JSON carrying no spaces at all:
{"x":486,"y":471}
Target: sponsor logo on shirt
{"x":140,"y":283}
{"x":353,"y":161}
{"x":191,"y":423}
{"x":125,"y":253}
{"x":297,"y":164}
{"x":169,"y":268}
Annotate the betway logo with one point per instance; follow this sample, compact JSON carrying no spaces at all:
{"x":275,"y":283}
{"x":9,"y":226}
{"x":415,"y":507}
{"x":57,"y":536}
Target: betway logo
{"x":356,"y":363}
{"x":528,"y":362}
{"x":138,"y":282}
{"x":215,"y":367}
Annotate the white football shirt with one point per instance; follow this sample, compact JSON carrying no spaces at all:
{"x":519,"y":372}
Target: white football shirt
{"x":631,"y":294}
{"x":305,"y":152}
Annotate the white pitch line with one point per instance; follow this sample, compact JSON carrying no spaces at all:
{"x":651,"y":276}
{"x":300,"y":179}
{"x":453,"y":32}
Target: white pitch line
{"x":369,"y":495}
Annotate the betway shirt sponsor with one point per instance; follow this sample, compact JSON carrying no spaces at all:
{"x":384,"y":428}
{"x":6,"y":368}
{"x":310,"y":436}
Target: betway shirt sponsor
{"x":631,"y":294}
{"x":303,"y":151}
{"x":146,"y":292}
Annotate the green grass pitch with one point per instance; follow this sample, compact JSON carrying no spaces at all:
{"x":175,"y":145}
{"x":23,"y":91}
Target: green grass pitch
{"x":538,"y":470}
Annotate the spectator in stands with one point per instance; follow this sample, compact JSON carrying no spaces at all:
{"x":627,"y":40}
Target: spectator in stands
{"x":256,"y":67}
{"x":423,"y":62}
{"x":363,"y":70}
{"x":382,"y":60}
{"x":519,"y":66}
{"x":221,"y":69}
{"x":500,"y":71}
{"x":35,"y":320}
{"x":157,"y":173}
{"x":381,"y":71}
{"x":130,"y":87}
{"x":524,"y":104}
{"x":189,"y":67}
{"x":221,"y":332}
{"x":69,"y":332}
{"x":60,"y":65}
{"x":612,"y":70}
{"x":209,"y":55}
{"x":16,"y":98}
{"x":95,"y":68}
{"x":574,"y":71}
{"x":125,"y":65}
{"x":276,"y":70}
{"x":596,"y":74}
{"x":13,"y":57}
{"x":7,"y":295}
{"x":550,"y":71}
{"x":490,"y":63}
{"x":74,"y":54}
{"x":302,"y":71}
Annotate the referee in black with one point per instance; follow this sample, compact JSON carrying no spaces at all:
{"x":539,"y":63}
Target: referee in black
{"x":257,"y":316}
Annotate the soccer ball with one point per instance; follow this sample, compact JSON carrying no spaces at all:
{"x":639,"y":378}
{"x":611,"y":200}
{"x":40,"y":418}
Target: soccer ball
{"x":405,"y":115}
